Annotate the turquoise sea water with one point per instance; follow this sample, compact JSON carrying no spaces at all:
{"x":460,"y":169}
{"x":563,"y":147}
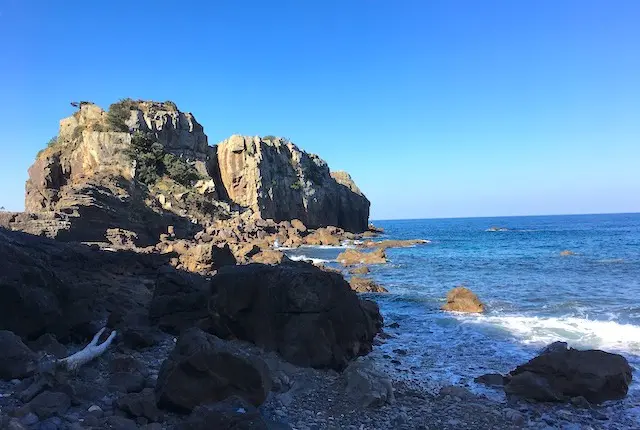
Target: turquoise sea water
{"x":534,"y":295}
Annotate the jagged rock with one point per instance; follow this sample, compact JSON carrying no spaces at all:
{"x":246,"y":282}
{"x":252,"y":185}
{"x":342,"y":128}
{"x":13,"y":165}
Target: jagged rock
{"x":560,"y":375}
{"x":352,"y":257}
{"x":269,"y":256}
{"x":323,"y":236}
{"x":461,"y":299}
{"x":54,"y":287}
{"x":47,"y":404}
{"x":141,"y":404}
{"x":359,"y":270}
{"x":206,"y":257}
{"x":263,"y":174}
{"x":365,"y":285}
{"x":369,"y":386}
{"x":233,"y":413}
{"x":17,"y":361}
{"x":491,"y":379}
{"x":49,"y":344}
{"x":309,"y":316}
{"x":179,"y":300}
{"x":202,"y":368}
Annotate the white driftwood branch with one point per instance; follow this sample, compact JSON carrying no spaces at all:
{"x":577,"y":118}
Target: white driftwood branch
{"x":89,"y":352}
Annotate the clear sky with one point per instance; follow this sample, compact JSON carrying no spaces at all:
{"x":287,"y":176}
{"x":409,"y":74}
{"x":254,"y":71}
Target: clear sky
{"x":436,"y":108}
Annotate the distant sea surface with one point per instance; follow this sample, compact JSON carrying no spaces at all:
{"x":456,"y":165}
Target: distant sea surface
{"x":534,"y":296}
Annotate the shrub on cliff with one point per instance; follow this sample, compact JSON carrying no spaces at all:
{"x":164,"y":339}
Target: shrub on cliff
{"x":153,"y":162}
{"x":119,"y":113}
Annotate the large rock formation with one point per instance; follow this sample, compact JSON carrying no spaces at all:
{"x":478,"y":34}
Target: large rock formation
{"x":279,"y":181}
{"x":87,"y":181}
{"x":309,"y":316}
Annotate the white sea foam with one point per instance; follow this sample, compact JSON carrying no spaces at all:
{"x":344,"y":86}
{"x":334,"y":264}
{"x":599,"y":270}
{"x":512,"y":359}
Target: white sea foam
{"x":577,"y":332}
{"x":306,"y":258}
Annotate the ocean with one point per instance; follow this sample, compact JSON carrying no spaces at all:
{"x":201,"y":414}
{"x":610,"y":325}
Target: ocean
{"x":533,"y":294}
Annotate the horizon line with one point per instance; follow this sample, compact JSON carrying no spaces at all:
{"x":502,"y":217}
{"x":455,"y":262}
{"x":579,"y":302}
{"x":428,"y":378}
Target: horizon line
{"x":506,"y":216}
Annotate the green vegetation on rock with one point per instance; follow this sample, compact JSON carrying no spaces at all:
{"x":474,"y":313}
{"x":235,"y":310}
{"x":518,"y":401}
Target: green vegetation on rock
{"x":153,"y":162}
{"x":119,"y":113}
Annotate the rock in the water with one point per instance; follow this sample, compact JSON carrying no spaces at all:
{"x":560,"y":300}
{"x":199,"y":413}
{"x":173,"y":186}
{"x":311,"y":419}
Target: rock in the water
{"x":202,"y":369}
{"x":567,"y":253}
{"x":352,"y":257}
{"x":369,"y":386}
{"x":561,"y":375}
{"x":233,"y":413}
{"x":366,"y":285}
{"x":359,"y":270}
{"x":17,"y":361}
{"x":310,"y":316}
{"x":555,"y":347}
{"x":491,"y":379}
{"x":462,"y":299}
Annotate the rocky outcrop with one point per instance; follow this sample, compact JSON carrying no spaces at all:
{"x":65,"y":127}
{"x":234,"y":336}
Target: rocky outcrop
{"x":384,"y":244}
{"x":309,"y":316}
{"x":63,"y":288}
{"x":279,"y":181}
{"x":16,"y":359}
{"x":462,"y":299}
{"x":87,"y":183}
{"x":202,"y":369}
{"x":563,"y":374}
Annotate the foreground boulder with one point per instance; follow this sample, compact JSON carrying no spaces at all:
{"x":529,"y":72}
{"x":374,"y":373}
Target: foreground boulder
{"x":462,"y":299}
{"x":233,"y":413}
{"x":309,"y":316}
{"x":16,"y":359}
{"x":203,"y":368}
{"x":65,"y":289}
{"x":563,"y":374}
{"x":368,"y":385}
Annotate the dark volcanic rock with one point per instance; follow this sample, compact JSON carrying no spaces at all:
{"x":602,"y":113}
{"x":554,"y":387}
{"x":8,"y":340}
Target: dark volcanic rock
{"x":233,"y":413}
{"x":202,"y":369}
{"x":16,"y":359}
{"x":140,"y":405}
{"x":491,"y":379}
{"x":179,"y":300}
{"x":562,"y":374}
{"x":310,"y":316}
{"x":48,"y":286}
{"x":49,"y":344}
{"x":48,"y":403}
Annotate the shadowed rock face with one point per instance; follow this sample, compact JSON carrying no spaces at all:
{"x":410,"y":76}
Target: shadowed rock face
{"x":309,"y":316}
{"x":280,"y":182}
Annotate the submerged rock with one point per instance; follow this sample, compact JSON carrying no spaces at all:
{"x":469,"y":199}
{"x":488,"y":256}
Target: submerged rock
{"x":384,"y":244}
{"x":567,"y":253}
{"x":309,"y":316}
{"x":462,"y":299}
{"x":203,"y":368}
{"x":559,"y":375}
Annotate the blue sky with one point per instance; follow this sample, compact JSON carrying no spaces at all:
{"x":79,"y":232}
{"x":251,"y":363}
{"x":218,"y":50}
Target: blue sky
{"x":436,"y":108}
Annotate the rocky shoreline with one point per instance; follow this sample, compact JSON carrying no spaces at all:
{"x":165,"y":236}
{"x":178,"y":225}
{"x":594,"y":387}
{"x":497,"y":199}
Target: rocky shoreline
{"x":176,"y":250}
